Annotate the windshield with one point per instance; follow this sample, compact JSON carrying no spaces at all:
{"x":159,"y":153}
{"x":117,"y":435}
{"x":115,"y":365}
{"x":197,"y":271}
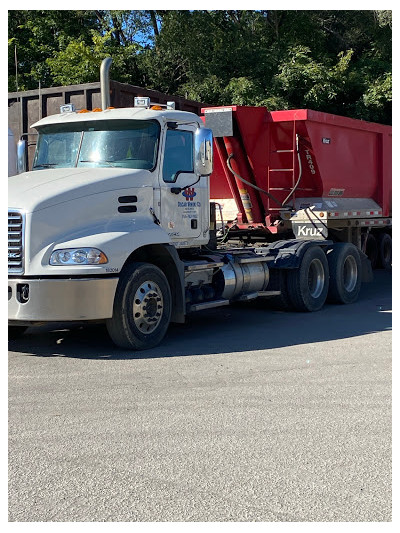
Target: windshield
{"x":124,"y":144}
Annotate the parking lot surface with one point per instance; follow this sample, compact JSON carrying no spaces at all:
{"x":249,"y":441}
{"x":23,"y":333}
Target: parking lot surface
{"x":242,"y":414}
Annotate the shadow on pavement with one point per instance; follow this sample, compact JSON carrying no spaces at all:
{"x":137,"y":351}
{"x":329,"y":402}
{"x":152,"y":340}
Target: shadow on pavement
{"x":226,"y":330}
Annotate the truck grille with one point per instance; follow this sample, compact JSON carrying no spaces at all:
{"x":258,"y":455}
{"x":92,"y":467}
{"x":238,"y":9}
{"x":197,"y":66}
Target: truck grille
{"x":15,"y":242}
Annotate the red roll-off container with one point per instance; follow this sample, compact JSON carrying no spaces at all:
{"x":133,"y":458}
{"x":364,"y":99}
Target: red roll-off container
{"x":334,"y":156}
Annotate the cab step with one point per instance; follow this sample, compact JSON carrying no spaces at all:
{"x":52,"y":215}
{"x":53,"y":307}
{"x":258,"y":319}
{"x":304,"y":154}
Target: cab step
{"x":207,"y":305}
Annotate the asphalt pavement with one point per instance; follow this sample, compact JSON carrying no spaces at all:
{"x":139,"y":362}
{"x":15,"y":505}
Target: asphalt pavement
{"x":243,"y":414}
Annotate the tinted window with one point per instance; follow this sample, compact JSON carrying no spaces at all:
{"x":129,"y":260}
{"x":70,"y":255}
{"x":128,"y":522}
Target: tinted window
{"x":178,"y":154}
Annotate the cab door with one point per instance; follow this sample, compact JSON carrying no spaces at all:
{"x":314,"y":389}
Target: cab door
{"x":184,"y":194}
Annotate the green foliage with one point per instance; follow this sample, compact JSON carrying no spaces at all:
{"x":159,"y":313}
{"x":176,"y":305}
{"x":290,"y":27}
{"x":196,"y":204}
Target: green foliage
{"x":305,"y":82}
{"x":376,"y":100}
{"x":80,"y":62}
{"x":334,"y":61}
{"x":243,"y":91}
{"x":37,"y":35}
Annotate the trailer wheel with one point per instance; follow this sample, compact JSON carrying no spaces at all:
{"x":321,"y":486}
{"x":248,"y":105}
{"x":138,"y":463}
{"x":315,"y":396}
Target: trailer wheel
{"x":15,"y":332}
{"x":371,"y":250}
{"x":308,"y":285}
{"x":344,"y":273}
{"x":385,"y":251}
{"x":142,"y":308}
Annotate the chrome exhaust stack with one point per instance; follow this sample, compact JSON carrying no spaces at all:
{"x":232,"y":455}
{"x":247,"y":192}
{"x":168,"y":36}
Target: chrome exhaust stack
{"x":105,"y":82}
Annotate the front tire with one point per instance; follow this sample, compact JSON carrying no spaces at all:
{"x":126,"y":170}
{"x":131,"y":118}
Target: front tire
{"x":142,"y":308}
{"x":308,"y":284}
{"x":344,"y":273}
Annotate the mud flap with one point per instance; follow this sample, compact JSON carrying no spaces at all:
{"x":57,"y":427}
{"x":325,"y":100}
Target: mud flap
{"x":366,"y":268}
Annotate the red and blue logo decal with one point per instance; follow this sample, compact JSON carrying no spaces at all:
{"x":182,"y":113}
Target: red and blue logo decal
{"x":189,"y":193}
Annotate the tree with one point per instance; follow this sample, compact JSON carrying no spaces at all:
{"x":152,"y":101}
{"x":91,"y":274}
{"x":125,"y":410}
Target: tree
{"x":329,"y":60}
{"x":36,"y":36}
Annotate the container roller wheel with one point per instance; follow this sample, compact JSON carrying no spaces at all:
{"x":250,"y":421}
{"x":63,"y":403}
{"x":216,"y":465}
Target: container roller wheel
{"x":344,"y":273}
{"x":308,"y":285}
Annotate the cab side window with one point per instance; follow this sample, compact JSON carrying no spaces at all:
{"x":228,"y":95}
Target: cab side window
{"x":178,"y":154}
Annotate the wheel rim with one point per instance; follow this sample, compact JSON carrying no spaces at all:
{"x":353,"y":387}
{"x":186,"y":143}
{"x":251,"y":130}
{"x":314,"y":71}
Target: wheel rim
{"x":148,"y":307}
{"x":350,"y":273}
{"x":316,"y":278}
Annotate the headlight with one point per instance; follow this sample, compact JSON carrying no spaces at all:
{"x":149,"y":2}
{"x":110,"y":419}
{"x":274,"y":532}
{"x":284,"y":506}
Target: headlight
{"x":78,"y":256}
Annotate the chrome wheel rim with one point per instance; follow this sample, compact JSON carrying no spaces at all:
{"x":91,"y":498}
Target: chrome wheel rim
{"x":350,"y":273}
{"x":316,"y":278}
{"x":148,"y":307}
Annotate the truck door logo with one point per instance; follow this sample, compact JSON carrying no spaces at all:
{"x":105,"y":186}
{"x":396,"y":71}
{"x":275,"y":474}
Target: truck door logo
{"x":189,"y":193}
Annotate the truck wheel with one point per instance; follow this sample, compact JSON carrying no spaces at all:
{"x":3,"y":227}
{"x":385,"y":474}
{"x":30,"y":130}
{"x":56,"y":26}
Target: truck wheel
{"x":385,"y":251}
{"x":308,"y":285}
{"x":142,"y":308}
{"x":344,"y":273}
{"x":371,"y":250}
{"x":14,"y":332}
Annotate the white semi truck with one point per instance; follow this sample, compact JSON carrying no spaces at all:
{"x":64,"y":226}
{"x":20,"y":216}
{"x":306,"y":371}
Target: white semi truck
{"x":113,"y":223}
{"x":97,"y":224}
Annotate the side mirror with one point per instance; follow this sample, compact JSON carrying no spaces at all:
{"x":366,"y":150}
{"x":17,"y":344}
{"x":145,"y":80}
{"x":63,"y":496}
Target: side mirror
{"x":203,"y":152}
{"x":21,"y":156}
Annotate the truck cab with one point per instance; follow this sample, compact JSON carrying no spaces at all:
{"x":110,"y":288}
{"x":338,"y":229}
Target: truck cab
{"x":107,"y":187}
{"x":145,"y":150}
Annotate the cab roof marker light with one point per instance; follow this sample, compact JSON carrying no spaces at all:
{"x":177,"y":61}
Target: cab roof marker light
{"x":141,"y":101}
{"x":67,"y":108}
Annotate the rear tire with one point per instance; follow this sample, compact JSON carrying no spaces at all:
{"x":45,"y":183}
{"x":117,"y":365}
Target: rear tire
{"x":308,"y":285}
{"x":344,"y":273}
{"x":142,"y":308}
{"x":385,"y":251}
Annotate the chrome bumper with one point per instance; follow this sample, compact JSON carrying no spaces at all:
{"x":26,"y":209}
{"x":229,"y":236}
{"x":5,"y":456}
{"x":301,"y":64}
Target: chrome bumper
{"x":45,"y":300}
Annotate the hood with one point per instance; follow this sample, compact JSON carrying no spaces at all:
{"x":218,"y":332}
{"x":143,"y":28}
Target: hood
{"x":39,"y":189}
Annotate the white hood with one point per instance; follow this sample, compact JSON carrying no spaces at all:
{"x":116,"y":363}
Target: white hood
{"x":39,"y":189}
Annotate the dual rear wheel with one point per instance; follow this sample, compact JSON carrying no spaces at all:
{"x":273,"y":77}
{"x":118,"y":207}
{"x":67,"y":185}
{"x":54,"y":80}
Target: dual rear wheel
{"x":344,"y":273}
{"x":334,"y":276}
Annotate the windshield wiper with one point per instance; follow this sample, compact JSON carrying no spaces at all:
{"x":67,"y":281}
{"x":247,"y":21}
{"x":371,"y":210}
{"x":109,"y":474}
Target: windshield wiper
{"x":99,"y":161}
{"x":45,"y":165}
